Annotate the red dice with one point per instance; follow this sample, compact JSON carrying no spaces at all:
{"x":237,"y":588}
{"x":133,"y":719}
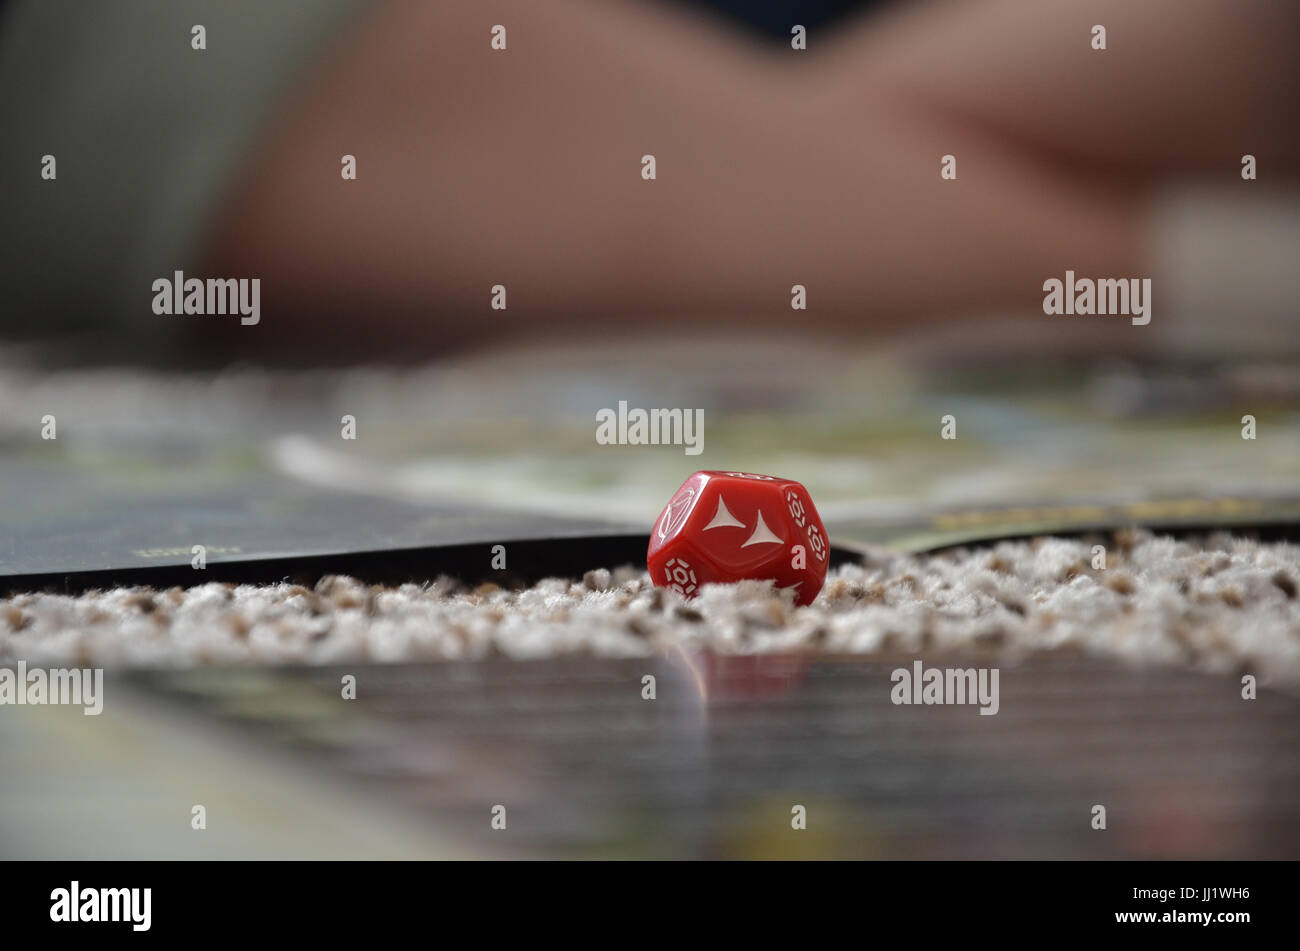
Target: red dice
{"x":726,"y":526}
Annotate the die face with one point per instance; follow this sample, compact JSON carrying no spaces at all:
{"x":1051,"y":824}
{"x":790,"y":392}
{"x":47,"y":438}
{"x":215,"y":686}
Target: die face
{"x":805,"y":523}
{"x":668,"y":527}
{"x":684,"y":570}
{"x":739,"y":524}
{"x":725,"y":526}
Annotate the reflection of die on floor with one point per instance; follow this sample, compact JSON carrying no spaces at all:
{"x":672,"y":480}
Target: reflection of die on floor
{"x":729,"y":526}
{"x":752,"y":676}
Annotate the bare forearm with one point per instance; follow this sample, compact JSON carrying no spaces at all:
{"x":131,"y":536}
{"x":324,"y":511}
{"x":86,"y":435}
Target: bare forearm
{"x":523,"y":168}
{"x":1181,"y":84}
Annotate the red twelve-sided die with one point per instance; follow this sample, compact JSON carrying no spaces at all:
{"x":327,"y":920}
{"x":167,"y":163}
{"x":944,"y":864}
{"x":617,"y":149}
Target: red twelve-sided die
{"x":726,"y":526}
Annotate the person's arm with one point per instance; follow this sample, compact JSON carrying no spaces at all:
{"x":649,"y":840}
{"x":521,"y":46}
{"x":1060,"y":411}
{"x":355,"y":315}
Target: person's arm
{"x":1182,"y":85}
{"x":479,"y":167}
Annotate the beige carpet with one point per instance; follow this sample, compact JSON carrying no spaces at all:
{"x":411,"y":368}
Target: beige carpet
{"x":1222,"y":605}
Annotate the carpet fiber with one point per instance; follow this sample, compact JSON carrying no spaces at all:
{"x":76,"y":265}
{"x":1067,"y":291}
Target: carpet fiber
{"x":1217,"y":604}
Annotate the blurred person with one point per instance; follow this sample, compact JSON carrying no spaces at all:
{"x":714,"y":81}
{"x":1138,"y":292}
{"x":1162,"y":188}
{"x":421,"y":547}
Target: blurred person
{"x":522,"y":167}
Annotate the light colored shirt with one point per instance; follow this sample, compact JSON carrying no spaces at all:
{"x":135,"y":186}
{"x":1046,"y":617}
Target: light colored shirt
{"x":148,"y":134}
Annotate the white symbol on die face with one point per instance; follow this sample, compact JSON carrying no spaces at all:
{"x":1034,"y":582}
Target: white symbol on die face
{"x":675,"y":514}
{"x":724,"y":518}
{"x":816,"y":542}
{"x":762,"y":535}
{"x":750,"y":475}
{"x":681,"y":576}
{"x":796,"y":509}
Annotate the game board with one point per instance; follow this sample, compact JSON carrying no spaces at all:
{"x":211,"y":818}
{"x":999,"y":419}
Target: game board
{"x":467,"y":454}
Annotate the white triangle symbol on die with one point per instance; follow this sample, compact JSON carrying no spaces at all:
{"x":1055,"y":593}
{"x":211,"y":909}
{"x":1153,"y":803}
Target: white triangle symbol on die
{"x":724,"y":518}
{"x":762,"y":534}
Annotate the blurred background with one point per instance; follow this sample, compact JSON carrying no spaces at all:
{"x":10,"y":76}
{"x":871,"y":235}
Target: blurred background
{"x":137,"y":146}
{"x":797,"y":144}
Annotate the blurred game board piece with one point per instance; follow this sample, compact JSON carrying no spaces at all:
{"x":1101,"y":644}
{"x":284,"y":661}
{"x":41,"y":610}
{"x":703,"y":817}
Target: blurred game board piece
{"x":713,"y":766}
